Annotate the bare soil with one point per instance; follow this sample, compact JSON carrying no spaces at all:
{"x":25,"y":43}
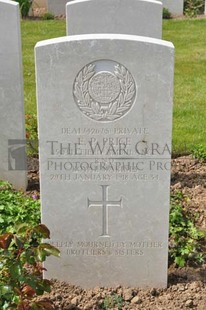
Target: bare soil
{"x":186,"y":286}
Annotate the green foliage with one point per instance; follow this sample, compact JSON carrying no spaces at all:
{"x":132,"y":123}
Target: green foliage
{"x":113,"y":301}
{"x":48,"y":16}
{"x":31,"y":134}
{"x":16,"y":208}
{"x":32,"y":32}
{"x":31,"y":127}
{"x":187,"y":242}
{"x":192,"y":8}
{"x":188,"y":37}
{"x":199,"y":152}
{"x":25,"y":6}
{"x":21,"y":257}
{"x":166,"y":14}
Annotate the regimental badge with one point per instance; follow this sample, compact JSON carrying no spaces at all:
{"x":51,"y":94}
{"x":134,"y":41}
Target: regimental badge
{"x":104,"y":95}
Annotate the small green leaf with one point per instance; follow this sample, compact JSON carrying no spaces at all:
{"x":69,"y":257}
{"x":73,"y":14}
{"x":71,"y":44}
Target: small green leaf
{"x":18,"y":242}
{"x":15,"y":270}
{"x":47,"y":285}
{"x":49,"y":249}
{"x":28,"y":256}
{"x":43,"y":230}
{"x":41,"y":255}
{"x":180,"y":261}
{"x":5,"y":289}
{"x":22,"y":228}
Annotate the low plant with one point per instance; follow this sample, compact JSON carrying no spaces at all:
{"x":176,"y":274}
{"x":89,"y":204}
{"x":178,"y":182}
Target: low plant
{"x":21,"y":257}
{"x":31,"y":127}
{"x":17,"y":208}
{"x":31,"y":134}
{"x":192,"y":8}
{"x":187,"y":242}
{"x":113,"y":301}
{"x":166,"y":14}
{"x":48,"y":16}
{"x":199,"y":152}
{"x":25,"y":6}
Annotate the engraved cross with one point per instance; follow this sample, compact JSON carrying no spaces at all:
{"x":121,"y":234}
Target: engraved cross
{"x":105,"y":204}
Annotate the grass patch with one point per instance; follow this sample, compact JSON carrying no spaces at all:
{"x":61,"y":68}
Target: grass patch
{"x":32,"y":32}
{"x":188,"y":37}
{"x":199,"y":152}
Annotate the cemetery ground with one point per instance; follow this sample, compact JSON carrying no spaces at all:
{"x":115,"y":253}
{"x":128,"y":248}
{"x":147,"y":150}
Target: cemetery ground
{"x":187,"y":284}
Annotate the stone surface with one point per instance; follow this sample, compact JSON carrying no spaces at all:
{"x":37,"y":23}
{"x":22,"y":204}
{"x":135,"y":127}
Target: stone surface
{"x":128,"y":294}
{"x":12,"y":124}
{"x":189,"y":303}
{"x":105,"y":118}
{"x":38,"y":8}
{"x":135,"y":17}
{"x":136,"y":300}
{"x":57,"y":7}
{"x":39,"y":4}
{"x":174,"y":6}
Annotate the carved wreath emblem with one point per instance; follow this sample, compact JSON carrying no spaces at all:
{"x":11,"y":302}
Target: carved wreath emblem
{"x":104,"y":95}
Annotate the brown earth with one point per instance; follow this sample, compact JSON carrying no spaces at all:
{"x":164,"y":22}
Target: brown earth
{"x":186,"y":286}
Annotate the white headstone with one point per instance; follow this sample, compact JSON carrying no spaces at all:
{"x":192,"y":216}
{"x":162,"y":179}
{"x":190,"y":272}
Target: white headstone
{"x":12,"y":124}
{"x":105,"y":118}
{"x":57,"y":7}
{"x":174,"y":6}
{"x":135,"y":17}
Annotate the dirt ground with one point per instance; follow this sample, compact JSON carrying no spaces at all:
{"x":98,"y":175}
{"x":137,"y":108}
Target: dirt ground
{"x":186,"y":286}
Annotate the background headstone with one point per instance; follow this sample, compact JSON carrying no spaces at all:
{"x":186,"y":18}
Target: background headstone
{"x":136,"y":17}
{"x":12,"y":123}
{"x":174,"y":6}
{"x":57,"y":7}
{"x":39,"y":8}
{"x":105,"y":157}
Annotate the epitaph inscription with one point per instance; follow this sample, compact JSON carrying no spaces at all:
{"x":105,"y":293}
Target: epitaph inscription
{"x":104,"y":95}
{"x":107,"y":247}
